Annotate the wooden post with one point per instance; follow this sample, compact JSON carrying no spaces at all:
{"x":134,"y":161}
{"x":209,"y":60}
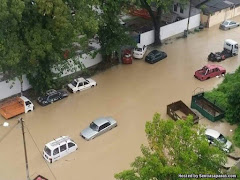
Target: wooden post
{"x":25,"y":150}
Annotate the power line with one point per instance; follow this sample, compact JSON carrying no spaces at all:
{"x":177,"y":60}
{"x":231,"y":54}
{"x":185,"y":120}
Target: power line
{"x":40,"y":152}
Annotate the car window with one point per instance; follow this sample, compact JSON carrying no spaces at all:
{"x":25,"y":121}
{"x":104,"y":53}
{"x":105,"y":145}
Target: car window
{"x":104,"y":126}
{"x":93,"y":126}
{"x":47,"y":150}
{"x":80,"y":84}
{"x":138,"y":49}
{"x":56,"y":151}
{"x":63,"y":148}
{"x":28,"y":103}
{"x":70,"y":145}
{"x":222,"y":139}
{"x":210,"y":138}
{"x":225,"y":23}
{"x":216,"y":70}
{"x":85,"y":83}
{"x":74,"y":83}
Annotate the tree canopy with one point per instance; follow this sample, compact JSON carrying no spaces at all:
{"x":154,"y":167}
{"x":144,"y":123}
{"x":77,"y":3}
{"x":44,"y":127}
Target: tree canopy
{"x":112,"y":35}
{"x":174,"y":148}
{"x":35,"y":34}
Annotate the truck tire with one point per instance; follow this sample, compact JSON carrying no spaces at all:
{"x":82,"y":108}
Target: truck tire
{"x":208,"y":78}
{"x":92,"y":86}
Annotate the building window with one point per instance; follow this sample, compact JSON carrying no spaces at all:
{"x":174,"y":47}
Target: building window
{"x":181,"y":10}
{"x":175,"y":7}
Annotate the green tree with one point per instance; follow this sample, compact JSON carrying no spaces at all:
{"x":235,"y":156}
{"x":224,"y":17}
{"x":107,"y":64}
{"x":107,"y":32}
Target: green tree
{"x":112,"y":35}
{"x":35,"y":33}
{"x":162,"y":6}
{"x":233,"y":99}
{"x":174,"y":148}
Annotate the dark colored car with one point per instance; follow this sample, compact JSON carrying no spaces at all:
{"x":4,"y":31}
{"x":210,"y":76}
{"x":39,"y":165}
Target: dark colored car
{"x":51,"y":96}
{"x":155,"y":56}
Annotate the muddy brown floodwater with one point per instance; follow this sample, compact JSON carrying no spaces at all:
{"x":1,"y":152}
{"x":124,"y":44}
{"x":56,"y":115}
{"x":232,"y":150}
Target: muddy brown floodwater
{"x":129,"y":93}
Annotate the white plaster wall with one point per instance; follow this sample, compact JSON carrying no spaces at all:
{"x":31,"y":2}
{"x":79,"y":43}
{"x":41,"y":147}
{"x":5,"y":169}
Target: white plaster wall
{"x":147,"y":37}
{"x":171,"y":29}
{"x":9,"y":89}
{"x":13,"y":87}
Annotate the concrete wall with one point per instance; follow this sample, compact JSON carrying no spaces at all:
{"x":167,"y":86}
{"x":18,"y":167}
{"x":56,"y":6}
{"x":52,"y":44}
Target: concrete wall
{"x":13,"y":87}
{"x":170,"y":29}
{"x":222,"y":15}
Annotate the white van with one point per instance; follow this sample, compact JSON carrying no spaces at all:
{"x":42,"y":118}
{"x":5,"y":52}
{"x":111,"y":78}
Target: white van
{"x":231,"y":46}
{"x":59,"y":148}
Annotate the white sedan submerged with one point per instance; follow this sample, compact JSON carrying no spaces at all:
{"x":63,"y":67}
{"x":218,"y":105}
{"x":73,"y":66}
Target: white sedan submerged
{"x":81,"y":84}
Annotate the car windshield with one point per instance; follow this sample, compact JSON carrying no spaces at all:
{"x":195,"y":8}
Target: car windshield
{"x":225,"y":23}
{"x":47,"y":150}
{"x":138,"y":49}
{"x":93,"y":126}
{"x":74,"y":83}
{"x":222,"y":139}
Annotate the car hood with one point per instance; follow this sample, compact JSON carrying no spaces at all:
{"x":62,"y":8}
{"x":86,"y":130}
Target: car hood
{"x":88,"y":133}
{"x":71,"y":86}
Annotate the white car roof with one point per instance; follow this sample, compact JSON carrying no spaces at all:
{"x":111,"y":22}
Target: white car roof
{"x":100,"y":121}
{"x":212,"y":133}
{"x":24,"y":98}
{"x":58,"y":142}
{"x":80,"y":79}
{"x":230,"y":41}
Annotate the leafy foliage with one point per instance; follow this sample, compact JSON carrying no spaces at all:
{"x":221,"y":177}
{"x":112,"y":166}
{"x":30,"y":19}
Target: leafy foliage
{"x":227,"y":96}
{"x":112,"y":35}
{"x":174,"y":148}
{"x":35,"y":34}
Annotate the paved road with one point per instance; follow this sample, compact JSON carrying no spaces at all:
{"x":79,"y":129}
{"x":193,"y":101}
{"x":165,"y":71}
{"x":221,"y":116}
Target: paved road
{"x":129,"y":93}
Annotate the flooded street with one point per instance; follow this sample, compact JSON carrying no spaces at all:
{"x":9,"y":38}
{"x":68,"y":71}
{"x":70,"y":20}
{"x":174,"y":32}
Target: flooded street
{"x":131,"y":94}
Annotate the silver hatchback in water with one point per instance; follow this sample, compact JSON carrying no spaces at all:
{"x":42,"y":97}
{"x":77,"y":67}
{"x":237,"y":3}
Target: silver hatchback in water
{"x":98,"y":127}
{"x":228,"y":24}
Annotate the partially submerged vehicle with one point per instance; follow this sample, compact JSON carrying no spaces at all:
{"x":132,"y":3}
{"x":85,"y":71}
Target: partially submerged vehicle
{"x":58,"y":148}
{"x":179,"y":110}
{"x":16,"y":106}
{"x":230,"y":49}
{"x":209,"y":71}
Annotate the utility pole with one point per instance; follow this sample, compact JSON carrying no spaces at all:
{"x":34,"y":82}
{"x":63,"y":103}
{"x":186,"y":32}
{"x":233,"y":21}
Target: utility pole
{"x":25,"y":150}
{"x":189,"y":15}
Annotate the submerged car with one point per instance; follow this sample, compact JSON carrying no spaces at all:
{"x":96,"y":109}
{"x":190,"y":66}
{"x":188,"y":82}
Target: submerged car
{"x":228,"y":24}
{"x":98,"y":127}
{"x":155,"y":56}
{"x":52,"y":96}
{"x":213,"y":136}
{"x":139,"y":51}
{"x":209,"y":71}
{"x":81,"y":84}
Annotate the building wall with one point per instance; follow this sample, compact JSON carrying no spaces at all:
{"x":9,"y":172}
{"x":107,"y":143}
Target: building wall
{"x":222,"y":15}
{"x":14,"y":87}
{"x":185,"y":10}
{"x":170,"y":30}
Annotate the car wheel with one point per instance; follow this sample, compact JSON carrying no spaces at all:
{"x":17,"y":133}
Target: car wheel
{"x":92,"y":86}
{"x":223,"y":74}
{"x":29,"y":111}
{"x":208,"y":78}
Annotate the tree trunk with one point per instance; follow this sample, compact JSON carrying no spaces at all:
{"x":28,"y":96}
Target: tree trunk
{"x":156,"y":21}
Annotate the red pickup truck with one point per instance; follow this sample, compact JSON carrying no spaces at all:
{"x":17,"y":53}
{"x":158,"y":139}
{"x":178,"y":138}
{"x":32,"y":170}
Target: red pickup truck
{"x":209,"y":71}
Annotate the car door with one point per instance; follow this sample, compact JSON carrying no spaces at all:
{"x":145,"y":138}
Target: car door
{"x":103,"y":128}
{"x":63,"y":150}
{"x":56,"y":154}
{"x":71,"y":147}
{"x":232,"y":25}
{"x":217,"y":72}
{"x":80,"y":86}
{"x":86,"y":85}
